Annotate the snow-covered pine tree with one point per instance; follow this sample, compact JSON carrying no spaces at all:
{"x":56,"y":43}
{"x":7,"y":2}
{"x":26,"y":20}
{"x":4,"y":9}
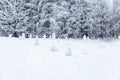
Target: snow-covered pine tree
{"x":101,"y":19}
{"x":51,"y":15}
{"x":12,"y":15}
{"x":115,"y":21}
{"x":80,"y":21}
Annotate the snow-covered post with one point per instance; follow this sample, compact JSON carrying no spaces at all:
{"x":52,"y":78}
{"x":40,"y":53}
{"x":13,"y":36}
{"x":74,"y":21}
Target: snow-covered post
{"x":68,"y":51}
{"x":30,"y":36}
{"x":50,"y":37}
{"x":44,"y":36}
{"x":36,"y":42}
{"x":84,"y":37}
{"x":23,"y":35}
{"x":10,"y":35}
{"x":55,"y":43}
{"x":66,"y":38}
{"x":98,"y":39}
{"x":118,"y":37}
{"x":53,"y":36}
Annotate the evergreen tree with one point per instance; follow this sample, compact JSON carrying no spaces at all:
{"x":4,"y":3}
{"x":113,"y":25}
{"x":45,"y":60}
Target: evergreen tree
{"x":12,"y":16}
{"x":101,"y":19}
{"x":65,"y":18}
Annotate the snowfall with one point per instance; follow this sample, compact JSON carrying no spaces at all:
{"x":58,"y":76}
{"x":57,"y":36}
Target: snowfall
{"x":57,"y":59}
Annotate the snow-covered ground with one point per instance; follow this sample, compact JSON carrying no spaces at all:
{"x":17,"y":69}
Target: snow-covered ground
{"x":21,"y":59}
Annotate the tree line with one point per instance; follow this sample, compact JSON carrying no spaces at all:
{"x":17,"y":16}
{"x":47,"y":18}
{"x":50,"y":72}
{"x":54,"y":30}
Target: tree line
{"x":66,"y":18}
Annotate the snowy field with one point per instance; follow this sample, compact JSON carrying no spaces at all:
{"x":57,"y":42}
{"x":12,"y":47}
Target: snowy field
{"x":23,"y":59}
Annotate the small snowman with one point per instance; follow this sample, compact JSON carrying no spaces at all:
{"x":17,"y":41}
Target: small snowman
{"x":54,"y":49}
{"x":36,"y":42}
{"x":68,"y":52}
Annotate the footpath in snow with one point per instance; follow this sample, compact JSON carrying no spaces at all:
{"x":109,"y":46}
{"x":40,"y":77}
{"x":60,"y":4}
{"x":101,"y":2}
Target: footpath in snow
{"x":51,"y":59}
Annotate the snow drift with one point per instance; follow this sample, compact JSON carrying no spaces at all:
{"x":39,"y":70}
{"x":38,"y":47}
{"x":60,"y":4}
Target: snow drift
{"x":51,"y":59}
